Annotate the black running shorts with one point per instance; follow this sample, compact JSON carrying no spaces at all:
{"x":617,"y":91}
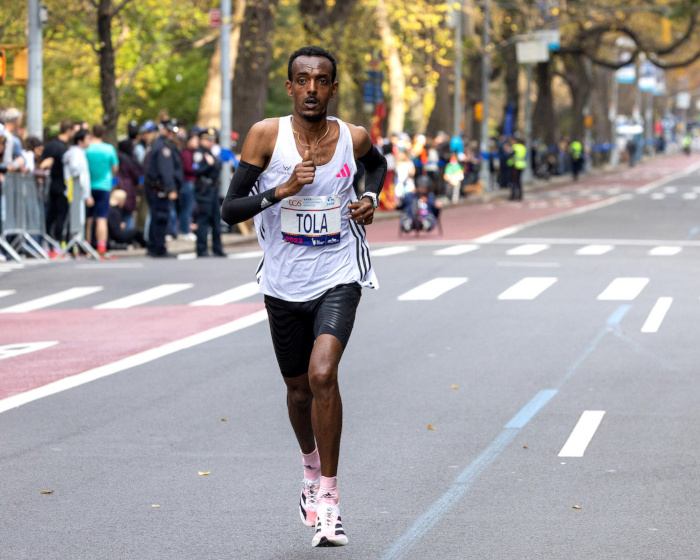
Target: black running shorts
{"x":296,"y":325}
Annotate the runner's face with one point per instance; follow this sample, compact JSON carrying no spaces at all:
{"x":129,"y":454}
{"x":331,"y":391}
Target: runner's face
{"x":311,"y":86}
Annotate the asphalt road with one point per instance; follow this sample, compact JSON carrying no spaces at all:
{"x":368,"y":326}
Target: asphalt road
{"x":557,"y":364}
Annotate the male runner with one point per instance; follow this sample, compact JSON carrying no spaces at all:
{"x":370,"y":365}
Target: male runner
{"x":295,"y":177}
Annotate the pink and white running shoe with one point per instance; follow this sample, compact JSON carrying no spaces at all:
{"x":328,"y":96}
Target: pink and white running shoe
{"x":307,"y":502}
{"x":329,"y":527}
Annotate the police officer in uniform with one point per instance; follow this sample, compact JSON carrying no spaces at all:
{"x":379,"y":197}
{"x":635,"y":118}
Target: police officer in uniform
{"x":207,"y":169}
{"x":519,"y":159}
{"x":163,"y":174}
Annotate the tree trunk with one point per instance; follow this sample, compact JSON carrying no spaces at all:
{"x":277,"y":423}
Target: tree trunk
{"x":512,"y":73}
{"x":472,"y":127}
{"x":108,"y":83}
{"x":441,"y":115}
{"x":397,"y":80}
{"x":249,"y":91}
{"x":599,"y":104}
{"x":544,"y":119}
{"x":209,"y":113}
{"x":579,"y":83}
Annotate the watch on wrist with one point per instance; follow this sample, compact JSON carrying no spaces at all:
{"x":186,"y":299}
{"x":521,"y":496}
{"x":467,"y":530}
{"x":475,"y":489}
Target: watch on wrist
{"x":373,"y":198}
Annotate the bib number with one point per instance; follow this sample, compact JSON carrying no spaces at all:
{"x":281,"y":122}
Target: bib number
{"x":311,"y":220}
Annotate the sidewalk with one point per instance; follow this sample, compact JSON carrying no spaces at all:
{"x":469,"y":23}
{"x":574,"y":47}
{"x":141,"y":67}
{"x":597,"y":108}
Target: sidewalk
{"x":230,"y":240}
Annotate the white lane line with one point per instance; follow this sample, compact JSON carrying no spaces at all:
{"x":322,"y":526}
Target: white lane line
{"x":390,"y":251}
{"x":690,"y":196}
{"x":131,"y":361}
{"x":595,"y":250}
{"x":455,"y":250}
{"x":623,"y":289}
{"x":665,"y":251}
{"x":229,"y":296}
{"x":696,"y":189}
{"x":187,"y":256}
{"x":658,"y":196}
{"x":12,"y":350}
{"x":670,"y":190}
{"x":432,"y":289}
{"x":584,"y":431}
{"x":53,"y":299}
{"x":152,"y":294}
{"x":107,"y":266}
{"x":657,"y":314}
{"x":527,"y":288}
{"x":529,"y":264}
{"x":5,"y":293}
{"x":525,"y":250}
{"x":246,"y":255}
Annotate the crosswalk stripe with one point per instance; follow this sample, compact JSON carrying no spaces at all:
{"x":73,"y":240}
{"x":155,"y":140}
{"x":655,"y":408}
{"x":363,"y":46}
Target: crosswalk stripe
{"x":432,"y":289}
{"x":145,"y":296}
{"x":53,"y":299}
{"x":594,"y":250}
{"x":658,"y":196}
{"x":528,"y":249}
{"x":657,"y":314}
{"x":5,"y":293}
{"x":246,"y":255}
{"x":528,"y":288}
{"x":670,"y":190}
{"x":665,"y":251}
{"x":187,"y":256}
{"x":583,"y":433}
{"x":229,"y":296}
{"x":690,"y":196}
{"x":390,"y":251}
{"x":623,"y":289}
{"x":455,"y":250}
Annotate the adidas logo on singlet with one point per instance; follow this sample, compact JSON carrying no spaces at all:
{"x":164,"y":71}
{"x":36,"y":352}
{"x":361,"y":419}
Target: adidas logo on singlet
{"x":344,"y":172}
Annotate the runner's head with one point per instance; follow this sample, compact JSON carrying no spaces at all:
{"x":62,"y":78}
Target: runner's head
{"x":311,"y":82}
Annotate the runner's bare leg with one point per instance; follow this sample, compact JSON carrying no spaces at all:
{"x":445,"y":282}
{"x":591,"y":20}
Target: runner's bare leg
{"x":299,"y":398}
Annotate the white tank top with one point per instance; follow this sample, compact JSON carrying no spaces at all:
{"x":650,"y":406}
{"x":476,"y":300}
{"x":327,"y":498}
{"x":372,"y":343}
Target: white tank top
{"x":309,"y":243}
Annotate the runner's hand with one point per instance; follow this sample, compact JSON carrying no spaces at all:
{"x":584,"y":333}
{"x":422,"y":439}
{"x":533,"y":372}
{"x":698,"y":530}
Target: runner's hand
{"x":303,"y":174}
{"x":362,"y":211}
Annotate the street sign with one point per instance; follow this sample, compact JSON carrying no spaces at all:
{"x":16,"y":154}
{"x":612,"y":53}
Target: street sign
{"x":647,"y":76}
{"x":215,"y":18}
{"x":550,"y":36}
{"x":683,"y":100}
{"x":531,"y":51}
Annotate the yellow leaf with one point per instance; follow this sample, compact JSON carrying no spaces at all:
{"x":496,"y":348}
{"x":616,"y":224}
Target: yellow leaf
{"x":454,"y":387}
{"x":203,"y":473}
{"x":154,"y":505}
{"x":47,"y":491}
{"x":524,"y":446}
{"x":224,"y":420}
{"x":430,"y":427}
{"x":577,"y":507}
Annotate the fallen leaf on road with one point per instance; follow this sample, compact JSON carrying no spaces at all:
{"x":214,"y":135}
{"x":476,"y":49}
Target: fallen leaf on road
{"x":454,"y":387}
{"x":47,"y":491}
{"x":524,"y":446}
{"x":224,"y":420}
{"x":577,"y":507}
{"x":430,"y":427}
{"x":154,"y":505}
{"x":203,"y":473}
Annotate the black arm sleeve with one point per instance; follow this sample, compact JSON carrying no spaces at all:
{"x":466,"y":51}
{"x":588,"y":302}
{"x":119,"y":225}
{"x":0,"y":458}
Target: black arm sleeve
{"x":375,"y":170}
{"x":238,"y":206}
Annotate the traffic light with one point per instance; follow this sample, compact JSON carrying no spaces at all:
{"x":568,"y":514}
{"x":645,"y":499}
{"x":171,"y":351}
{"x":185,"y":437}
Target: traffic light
{"x":3,"y":65}
{"x":479,"y":111}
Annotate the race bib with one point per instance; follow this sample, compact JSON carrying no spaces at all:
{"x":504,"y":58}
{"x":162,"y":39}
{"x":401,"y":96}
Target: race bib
{"x":311,"y":220}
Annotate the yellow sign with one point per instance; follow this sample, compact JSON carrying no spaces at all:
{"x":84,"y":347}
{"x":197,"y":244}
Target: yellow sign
{"x":588,"y":121}
{"x":20,"y":66}
{"x":3,"y":65}
{"x":479,"y":111}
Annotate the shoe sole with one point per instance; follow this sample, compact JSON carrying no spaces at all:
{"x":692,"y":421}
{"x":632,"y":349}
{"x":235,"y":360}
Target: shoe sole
{"x":304,"y":519}
{"x":325,"y":542}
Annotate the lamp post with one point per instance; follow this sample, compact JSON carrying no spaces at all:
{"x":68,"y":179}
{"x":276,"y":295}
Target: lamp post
{"x":35,"y":100}
{"x":225,"y":136}
{"x":485,"y":174}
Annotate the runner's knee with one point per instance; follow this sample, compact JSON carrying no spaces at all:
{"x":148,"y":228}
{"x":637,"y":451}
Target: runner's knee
{"x":299,"y":397}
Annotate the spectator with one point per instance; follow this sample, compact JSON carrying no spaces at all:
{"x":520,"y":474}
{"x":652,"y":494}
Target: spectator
{"x":128,"y":179}
{"x":57,"y":207}
{"x":104,"y":166}
{"x":76,"y":174}
{"x":420,"y":208}
{"x":405,"y":173}
{"x":13,"y":143}
{"x":34,"y":162}
{"x":119,"y":232}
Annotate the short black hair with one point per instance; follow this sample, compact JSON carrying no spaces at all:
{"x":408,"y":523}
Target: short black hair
{"x":311,"y":51}
{"x":80,"y":136}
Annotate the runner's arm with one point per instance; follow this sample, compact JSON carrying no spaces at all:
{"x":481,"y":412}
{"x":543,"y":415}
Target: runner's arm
{"x":238,"y":206}
{"x":371,"y":158}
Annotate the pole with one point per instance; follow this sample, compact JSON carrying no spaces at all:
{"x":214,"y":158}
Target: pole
{"x":614,"y":154}
{"x":588,"y":132}
{"x":527,"y":177}
{"x":225,"y":136}
{"x":459,"y":19}
{"x":649,"y":118}
{"x":485,"y":175}
{"x":34,"y":112}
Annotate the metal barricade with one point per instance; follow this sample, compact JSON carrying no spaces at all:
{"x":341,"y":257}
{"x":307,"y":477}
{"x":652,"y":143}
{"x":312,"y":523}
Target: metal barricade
{"x":23,"y":221}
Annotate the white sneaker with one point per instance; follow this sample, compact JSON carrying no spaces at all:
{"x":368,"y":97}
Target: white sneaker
{"x":329,"y":527}
{"x":307,"y":501}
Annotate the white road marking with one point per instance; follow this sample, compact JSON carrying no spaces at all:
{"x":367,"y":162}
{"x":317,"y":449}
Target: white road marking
{"x":5,"y":293}
{"x":668,"y":178}
{"x":657,"y":314}
{"x":623,"y":289}
{"x":187,"y":256}
{"x":246,"y":255}
{"x":12,"y":350}
{"x":670,"y":190}
{"x":53,"y":299}
{"x":455,"y":250}
{"x":584,"y":431}
{"x":229,"y":296}
{"x":152,"y":294}
{"x":432,"y":289}
{"x":658,"y":196}
{"x":696,"y":189}
{"x":107,"y":266}
{"x":584,"y":241}
{"x":530,"y":249}
{"x":527,"y":288}
{"x":665,"y":251}
{"x":690,"y":196}
{"x":595,"y":250}
{"x":131,"y":361}
{"x":529,"y":264}
{"x":390,"y":251}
